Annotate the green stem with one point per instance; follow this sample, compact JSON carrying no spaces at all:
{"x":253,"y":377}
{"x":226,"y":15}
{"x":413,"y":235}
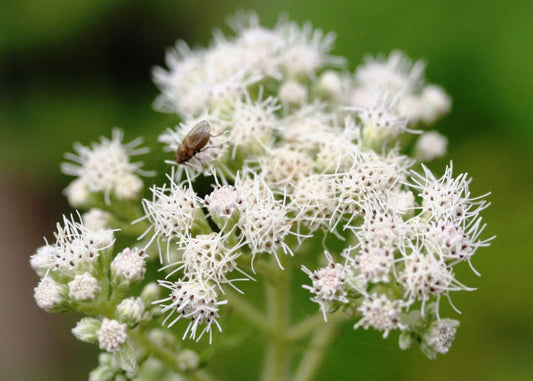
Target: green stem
{"x":276,"y":359}
{"x":313,"y":356}
{"x":312,"y":323}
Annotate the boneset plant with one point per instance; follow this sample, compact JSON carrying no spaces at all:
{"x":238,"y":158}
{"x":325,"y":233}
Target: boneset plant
{"x":316,"y":174}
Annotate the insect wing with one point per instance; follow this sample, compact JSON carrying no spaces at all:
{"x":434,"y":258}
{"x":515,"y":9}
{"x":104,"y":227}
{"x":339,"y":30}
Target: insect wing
{"x":198,"y":136}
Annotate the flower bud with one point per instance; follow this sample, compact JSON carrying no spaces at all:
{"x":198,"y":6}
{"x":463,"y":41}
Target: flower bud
{"x":128,"y":267}
{"x":188,"y":360}
{"x":130,"y":311}
{"x":85,"y":330}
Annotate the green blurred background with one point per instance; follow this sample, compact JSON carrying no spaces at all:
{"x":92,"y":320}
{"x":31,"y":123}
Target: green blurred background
{"x":71,"y":70}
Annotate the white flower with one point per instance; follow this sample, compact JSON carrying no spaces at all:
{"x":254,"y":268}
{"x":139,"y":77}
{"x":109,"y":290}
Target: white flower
{"x":328,"y":285}
{"x":259,"y":46}
{"x":304,"y":126}
{"x":380,"y":313}
{"x":172,"y":212}
{"x":111,"y":335}
{"x":196,"y":82}
{"x":223,"y":200}
{"x":425,"y":276}
{"x":381,"y":119}
{"x":252,"y":124}
{"x":430,"y":145}
{"x":394,"y":74}
{"x":96,"y":219}
{"x":314,"y":201}
{"x":375,"y":263}
{"x":194,"y":300}
{"x":78,"y":193}
{"x":370,"y":180}
{"x":76,"y":247}
{"x":306,"y":50}
{"x":48,"y":294}
{"x":338,"y":148}
{"x":83,"y":287}
{"x":333,"y":85}
{"x":42,"y":259}
{"x":435,"y":102}
{"x":264,"y":223}
{"x":283,"y":166}
{"x":381,"y":229}
{"x":129,"y":264}
{"x":292,"y":93}
{"x":447,"y":197}
{"x":206,"y":257}
{"x":103,"y":166}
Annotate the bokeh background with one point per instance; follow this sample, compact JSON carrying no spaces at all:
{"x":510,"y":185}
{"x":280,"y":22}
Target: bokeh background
{"x":71,"y":70}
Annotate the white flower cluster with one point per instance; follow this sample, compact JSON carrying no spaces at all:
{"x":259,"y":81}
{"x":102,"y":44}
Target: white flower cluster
{"x":105,"y":167}
{"x":304,"y":158}
{"x":318,"y":150}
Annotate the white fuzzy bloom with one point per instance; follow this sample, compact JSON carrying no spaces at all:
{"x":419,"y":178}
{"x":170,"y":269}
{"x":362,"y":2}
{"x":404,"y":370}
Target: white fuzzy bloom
{"x":304,"y":126}
{"x":381,"y":120}
{"x":371,"y":179}
{"x":83,"y":287}
{"x":382,"y":229}
{"x":292,"y":93}
{"x":264,"y":224}
{"x":129,"y":264}
{"x":206,"y":257}
{"x":78,"y":193}
{"x":105,"y":166}
{"x":314,"y":201}
{"x":393,"y":75}
{"x":375,"y":264}
{"x":447,"y":197}
{"x":96,"y":219}
{"x":111,"y":335}
{"x":400,"y":202}
{"x":172,"y":210}
{"x":431,"y":145}
{"x":223,"y":201}
{"x":194,"y":300}
{"x":252,"y":123}
{"x":201,"y":80}
{"x":42,"y":259}
{"x":306,"y":50}
{"x":259,"y":46}
{"x":435,"y":102}
{"x":284,"y":166}
{"x":77,"y":247}
{"x":328,"y":285}
{"x":338,"y":147}
{"x":425,"y":275}
{"x":380,"y":313}
{"x":48,"y":294}
{"x":129,"y":187}
{"x":333,"y":85}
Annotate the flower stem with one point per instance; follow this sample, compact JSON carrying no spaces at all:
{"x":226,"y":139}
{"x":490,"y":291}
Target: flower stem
{"x":314,"y":355}
{"x":276,"y":359}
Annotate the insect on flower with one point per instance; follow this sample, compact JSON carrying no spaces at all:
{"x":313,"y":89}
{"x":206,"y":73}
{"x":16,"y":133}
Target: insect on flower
{"x":194,"y":142}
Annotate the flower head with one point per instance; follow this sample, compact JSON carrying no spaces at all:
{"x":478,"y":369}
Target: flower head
{"x":380,"y":313}
{"x":106,"y":167}
{"x":111,"y":335}
{"x":195,"y":300}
